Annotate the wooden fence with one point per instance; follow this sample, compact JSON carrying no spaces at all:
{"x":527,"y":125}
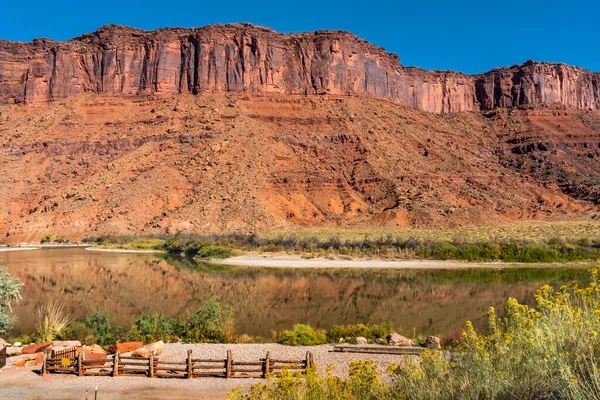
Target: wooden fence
{"x":68,"y":361}
{"x":2,"y":357}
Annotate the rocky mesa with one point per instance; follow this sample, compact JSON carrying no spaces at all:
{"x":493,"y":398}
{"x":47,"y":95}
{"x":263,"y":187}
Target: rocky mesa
{"x":236,"y":128}
{"x":124,"y":61}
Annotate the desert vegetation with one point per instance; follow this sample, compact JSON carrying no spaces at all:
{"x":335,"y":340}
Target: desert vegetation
{"x":10,"y":291}
{"x":534,"y":243}
{"x":549,"y":351}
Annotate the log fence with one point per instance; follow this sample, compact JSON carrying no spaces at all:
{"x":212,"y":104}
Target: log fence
{"x":3,"y":357}
{"x":69,"y":361}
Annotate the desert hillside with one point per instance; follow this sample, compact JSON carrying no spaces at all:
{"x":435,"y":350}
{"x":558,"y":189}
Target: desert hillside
{"x":219,"y":163}
{"x":240,"y":129}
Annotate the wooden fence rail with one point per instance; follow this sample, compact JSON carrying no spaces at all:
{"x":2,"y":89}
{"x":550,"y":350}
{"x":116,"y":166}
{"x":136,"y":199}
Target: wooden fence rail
{"x":68,"y":361}
{"x":2,"y":357}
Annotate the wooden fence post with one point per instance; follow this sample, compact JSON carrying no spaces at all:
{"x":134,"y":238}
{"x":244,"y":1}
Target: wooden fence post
{"x":267,"y":365}
{"x":151,"y":365}
{"x":116,"y":364}
{"x":45,"y":365}
{"x":189,"y":364}
{"x":310,"y":362}
{"x":80,"y":364}
{"x":228,"y":364}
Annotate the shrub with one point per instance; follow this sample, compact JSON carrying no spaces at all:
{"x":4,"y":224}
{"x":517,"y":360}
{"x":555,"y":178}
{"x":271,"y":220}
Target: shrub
{"x":61,"y":239}
{"x":47,"y":238}
{"x":547,"y":352}
{"x":153,"y":327}
{"x":214,"y":252}
{"x":10,"y":291}
{"x":212,"y":322}
{"x":302,"y":335}
{"x":363,"y":383}
{"x":78,"y":330}
{"x":102,"y":329}
{"x":52,"y":319}
{"x":369,"y":331}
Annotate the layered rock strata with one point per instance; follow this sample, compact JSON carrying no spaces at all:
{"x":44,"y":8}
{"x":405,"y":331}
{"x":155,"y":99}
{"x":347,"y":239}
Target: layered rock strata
{"x":123,"y":61}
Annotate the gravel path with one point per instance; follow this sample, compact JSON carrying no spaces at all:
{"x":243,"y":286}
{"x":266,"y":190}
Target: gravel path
{"x":25,"y":383}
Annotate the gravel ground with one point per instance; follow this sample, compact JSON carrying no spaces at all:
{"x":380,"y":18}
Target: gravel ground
{"x":25,"y":383}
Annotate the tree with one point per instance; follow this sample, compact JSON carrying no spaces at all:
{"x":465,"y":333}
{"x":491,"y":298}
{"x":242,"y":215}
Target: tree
{"x":10,"y":291}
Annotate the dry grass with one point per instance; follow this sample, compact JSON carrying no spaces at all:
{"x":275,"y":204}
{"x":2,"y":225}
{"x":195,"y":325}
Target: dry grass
{"x":535,"y":231}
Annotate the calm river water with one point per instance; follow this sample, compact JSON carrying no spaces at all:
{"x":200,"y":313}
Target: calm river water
{"x":125,"y":285}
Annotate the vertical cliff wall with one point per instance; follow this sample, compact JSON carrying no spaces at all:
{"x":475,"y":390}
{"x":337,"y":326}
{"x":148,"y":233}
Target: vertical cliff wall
{"x":219,"y":58}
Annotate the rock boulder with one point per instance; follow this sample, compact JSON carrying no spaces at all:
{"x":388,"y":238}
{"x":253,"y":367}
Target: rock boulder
{"x":156,"y":348}
{"x":396,"y":339}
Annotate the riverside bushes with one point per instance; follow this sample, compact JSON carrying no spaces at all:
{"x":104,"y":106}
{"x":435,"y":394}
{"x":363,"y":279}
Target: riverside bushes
{"x":302,"y":335}
{"x":212,"y":322}
{"x":550,"y":351}
{"x":384,"y":246}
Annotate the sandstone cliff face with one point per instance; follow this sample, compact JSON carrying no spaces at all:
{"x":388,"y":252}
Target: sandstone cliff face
{"x":124,"y":61}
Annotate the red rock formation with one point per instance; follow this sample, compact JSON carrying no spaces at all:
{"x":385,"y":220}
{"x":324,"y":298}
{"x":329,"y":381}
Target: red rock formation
{"x":124,"y":61}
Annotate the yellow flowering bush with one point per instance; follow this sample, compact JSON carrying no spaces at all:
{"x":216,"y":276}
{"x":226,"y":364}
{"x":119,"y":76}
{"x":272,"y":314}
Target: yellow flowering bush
{"x":550,"y":351}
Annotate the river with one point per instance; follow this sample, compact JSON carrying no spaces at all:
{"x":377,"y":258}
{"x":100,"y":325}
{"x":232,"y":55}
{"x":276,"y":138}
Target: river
{"x":124,"y":285}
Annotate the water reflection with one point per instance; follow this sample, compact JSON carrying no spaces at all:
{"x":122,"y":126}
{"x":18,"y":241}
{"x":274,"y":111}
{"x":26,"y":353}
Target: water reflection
{"x":124,"y":285}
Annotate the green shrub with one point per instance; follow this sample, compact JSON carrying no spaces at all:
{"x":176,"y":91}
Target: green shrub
{"x":10,"y":291}
{"x":24,"y":339}
{"x":363,"y":383}
{"x":213,"y":252}
{"x":212,"y":322}
{"x":61,"y":239}
{"x":369,"y":331}
{"x":78,"y":330}
{"x":102,"y":329}
{"x":302,"y":335}
{"x":153,"y":327}
{"x":46,"y":239}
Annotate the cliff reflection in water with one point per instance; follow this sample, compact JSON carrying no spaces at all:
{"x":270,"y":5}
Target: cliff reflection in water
{"x":125,"y":285}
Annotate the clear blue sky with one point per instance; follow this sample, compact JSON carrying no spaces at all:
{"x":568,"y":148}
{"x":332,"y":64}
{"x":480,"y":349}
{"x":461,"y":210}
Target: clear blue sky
{"x":468,"y":36}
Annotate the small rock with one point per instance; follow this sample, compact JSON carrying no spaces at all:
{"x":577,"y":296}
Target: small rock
{"x":37,"y":348}
{"x":341,"y":340}
{"x":432,"y":342}
{"x":398,"y":340}
{"x":361,"y":340}
{"x":145,"y":351}
{"x":14,"y":351}
{"x":28,"y":360}
{"x":94,"y":349}
{"x":17,"y":344}
{"x":66,"y":343}
{"x":125,"y":347}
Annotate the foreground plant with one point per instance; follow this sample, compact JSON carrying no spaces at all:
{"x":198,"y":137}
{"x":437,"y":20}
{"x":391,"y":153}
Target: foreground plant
{"x":551,"y":351}
{"x":52,"y":319}
{"x":10,"y":291}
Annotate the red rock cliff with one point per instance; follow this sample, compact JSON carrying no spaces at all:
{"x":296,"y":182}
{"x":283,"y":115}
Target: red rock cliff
{"x":125,"y":61}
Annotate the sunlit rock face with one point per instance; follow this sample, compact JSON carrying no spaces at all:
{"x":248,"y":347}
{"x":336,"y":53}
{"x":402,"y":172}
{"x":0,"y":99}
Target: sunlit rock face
{"x":243,"y":58}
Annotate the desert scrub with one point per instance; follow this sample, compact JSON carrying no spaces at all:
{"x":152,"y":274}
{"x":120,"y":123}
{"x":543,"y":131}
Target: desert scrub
{"x":368,"y":331}
{"x":302,"y":335}
{"x":363,"y":383}
{"x":52,"y":319}
{"x":213,"y":253}
{"x":408,"y":243}
{"x":549,"y":351}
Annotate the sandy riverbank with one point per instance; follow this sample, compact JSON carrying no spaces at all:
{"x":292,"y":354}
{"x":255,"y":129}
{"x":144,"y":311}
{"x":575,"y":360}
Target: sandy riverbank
{"x":292,"y":261}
